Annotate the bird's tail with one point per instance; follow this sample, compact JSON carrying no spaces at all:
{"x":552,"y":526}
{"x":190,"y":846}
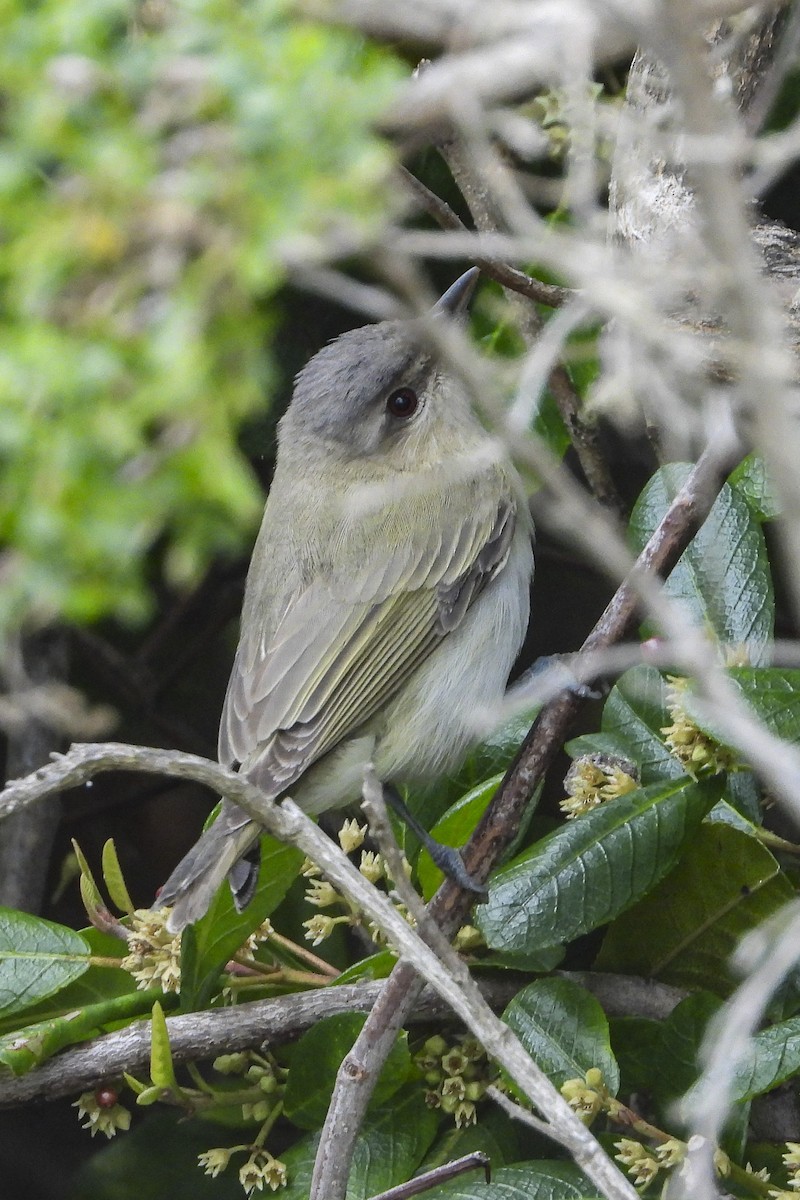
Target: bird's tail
{"x":229,"y":847}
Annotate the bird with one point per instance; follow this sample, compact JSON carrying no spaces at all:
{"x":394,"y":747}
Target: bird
{"x":387,"y":596}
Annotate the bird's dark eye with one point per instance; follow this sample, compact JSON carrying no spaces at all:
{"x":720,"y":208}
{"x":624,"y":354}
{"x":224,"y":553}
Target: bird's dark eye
{"x":402,"y":403}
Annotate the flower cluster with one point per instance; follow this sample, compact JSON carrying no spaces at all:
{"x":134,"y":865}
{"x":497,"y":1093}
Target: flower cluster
{"x":259,"y":1170}
{"x":595,"y":778}
{"x":643,"y":1163}
{"x":103,"y":1112}
{"x":588,"y":1096}
{"x":457,"y":1074}
{"x":698,"y":752}
{"x":322,"y":894}
{"x":154,"y":954}
{"x":261,"y":1075}
{"x":791,"y":1160}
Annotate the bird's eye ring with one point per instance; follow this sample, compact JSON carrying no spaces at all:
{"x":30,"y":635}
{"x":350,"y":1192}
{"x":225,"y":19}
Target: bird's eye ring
{"x":402,"y":403}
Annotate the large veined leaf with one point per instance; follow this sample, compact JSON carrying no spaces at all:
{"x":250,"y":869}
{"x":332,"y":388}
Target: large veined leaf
{"x":37,"y":958}
{"x":750,"y":478}
{"x":590,"y":870}
{"x":388,"y":1149}
{"x":726,"y":883}
{"x":773,"y":1057}
{"x":539,"y":1180}
{"x":564,"y":1030}
{"x":315,"y":1061}
{"x":723,"y":577}
{"x":773,"y":693}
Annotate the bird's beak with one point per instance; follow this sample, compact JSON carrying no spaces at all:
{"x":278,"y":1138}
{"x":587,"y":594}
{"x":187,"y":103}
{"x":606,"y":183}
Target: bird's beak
{"x":457,"y":297}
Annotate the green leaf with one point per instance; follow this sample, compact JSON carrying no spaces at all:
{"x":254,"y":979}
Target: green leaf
{"x":375,"y":966}
{"x":685,"y":931}
{"x":502,"y":1140}
{"x":750,"y":478}
{"x":114,"y":879}
{"x":773,"y":693}
{"x":539,"y":1180}
{"x":37,"y":959}
{"x":773,"y":1057}
{"x":564,"y":1030}
{"x":677,"y":1063}
{"x":97,"y":985}
{"x":636,"y":1042}
{"x":162,"y":1071}
{"x":388,"y":1150}
{"x":90,"y":893}
{"x":317,"y":1057}
{"x":723,"y":578}
{"x":591,"y":869}
{"x":223,"y":931}
{"x":634,"y":715}
{"x":454,"y":829}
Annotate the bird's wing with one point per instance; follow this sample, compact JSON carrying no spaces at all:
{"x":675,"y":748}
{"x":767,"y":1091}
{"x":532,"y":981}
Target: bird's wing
{"x":337,"y":656}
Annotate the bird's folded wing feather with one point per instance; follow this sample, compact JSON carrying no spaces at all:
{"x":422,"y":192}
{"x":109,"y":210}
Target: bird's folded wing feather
{"x":344,"y":647}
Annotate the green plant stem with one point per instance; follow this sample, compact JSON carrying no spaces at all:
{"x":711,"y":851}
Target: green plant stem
{"x":281,"y":974}
{"x":263,"y":1132}
{"x":301,"y":952}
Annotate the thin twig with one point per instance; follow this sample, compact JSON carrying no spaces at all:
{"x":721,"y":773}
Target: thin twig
{"x":504,"y":273}
{"x":476,"y":188}
{"x":430,"y":1179}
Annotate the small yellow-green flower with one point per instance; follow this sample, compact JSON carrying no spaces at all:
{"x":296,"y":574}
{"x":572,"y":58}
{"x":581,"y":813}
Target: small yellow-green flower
{"x":215,"y":1161}
{"x":107,"y":1118}
{"x":371,"y":866}
{"x":671,"y":1153}
{"x":699,"y":753}
{"x":319,"y":928}
{"x":351,"y":835}
{"x":262,"y":1169}
{"x":322,"y":894}
{"x":637,"y":1160}
{"x":154,"y":954}
{"x":583,"y":1099}
{"x":594,"y":778}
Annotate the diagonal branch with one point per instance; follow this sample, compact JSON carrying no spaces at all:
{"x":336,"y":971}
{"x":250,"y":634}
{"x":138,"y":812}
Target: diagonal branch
{"x":502,"y":819}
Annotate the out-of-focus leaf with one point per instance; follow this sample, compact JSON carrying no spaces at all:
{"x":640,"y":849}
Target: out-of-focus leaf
{"x":37,"y":958}
{"x":155,"y":173}
{"x":564,"y":1030}
{"x":725,"y":884}
{"x":723,"y":578}
{"x":591,"y":869}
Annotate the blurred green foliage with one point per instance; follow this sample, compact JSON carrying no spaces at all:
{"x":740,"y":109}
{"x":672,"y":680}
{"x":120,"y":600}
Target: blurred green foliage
{"x":157,"y":163}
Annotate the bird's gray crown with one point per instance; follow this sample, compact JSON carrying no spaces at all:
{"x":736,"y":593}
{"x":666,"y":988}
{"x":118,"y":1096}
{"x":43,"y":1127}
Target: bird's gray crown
{"x":341,"y":385}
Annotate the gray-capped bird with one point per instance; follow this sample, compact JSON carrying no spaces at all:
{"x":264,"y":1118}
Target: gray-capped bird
{"x":387,"y":596}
